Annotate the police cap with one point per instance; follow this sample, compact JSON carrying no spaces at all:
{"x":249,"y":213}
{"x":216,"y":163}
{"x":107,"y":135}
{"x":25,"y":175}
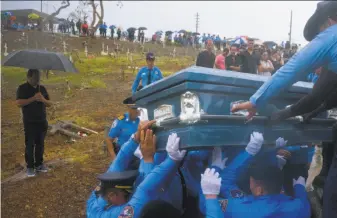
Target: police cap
{"x":119,"y":180}
{"x":130,"y":103}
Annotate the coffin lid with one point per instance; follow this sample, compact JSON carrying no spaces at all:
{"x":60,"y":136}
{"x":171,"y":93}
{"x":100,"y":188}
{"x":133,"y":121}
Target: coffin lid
{"x":214,"y":76}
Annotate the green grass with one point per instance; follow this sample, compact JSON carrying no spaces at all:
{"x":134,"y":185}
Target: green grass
{"x":90,"y":70}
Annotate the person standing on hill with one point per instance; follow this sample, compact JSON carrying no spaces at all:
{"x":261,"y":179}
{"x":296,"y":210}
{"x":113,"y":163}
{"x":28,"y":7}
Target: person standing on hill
{"x":33,"y":99}
{"x":119,"y":32}
{"x":78,"y":26}
{"x":147,"y":75}
{"x":206,"y":58}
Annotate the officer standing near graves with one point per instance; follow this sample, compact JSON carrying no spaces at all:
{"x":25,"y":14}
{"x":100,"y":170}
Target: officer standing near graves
{"x":116,"y":188}
{"x":321,"y":30}
{"x":122,"y":128}
{"x":33,"y":99}
{"x":147,"y":75}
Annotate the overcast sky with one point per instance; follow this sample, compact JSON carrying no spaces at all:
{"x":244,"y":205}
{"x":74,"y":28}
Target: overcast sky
{"x":264,"y":20}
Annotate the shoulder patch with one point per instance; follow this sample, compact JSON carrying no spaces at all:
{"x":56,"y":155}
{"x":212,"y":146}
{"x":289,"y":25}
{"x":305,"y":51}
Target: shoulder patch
{"x":223,"y":204}
{"x":121,"y":117}
{"x":127,"y":212}
{"x":236,"y":193}
{"x":114,"y":124}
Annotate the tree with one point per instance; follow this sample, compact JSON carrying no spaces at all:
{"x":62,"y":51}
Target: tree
{"x":81,"y":12}
{"x":64,"y":5}
{"x":94,"y":25}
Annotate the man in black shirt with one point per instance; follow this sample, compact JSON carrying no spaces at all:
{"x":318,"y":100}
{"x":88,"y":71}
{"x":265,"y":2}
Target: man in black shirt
{"x":206,"y":58}
{"x":33,"y":99}
{"x":250,"y":60}
{"x":233,"y":61}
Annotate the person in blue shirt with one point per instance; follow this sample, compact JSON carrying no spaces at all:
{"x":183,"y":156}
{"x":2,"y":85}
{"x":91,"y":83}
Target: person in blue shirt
{"x":265,"y":201}
{"x":122,"y":128}
{"x":321,"y":31}
{"x":147,"y":75}
{"x":124,"y":202}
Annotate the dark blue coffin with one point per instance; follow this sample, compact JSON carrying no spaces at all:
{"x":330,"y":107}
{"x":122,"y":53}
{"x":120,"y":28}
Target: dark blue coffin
{"x":196,"y":103}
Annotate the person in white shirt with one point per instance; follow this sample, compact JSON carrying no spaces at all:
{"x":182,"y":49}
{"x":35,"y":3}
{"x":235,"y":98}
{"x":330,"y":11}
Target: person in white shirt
{"x":266,"y":66}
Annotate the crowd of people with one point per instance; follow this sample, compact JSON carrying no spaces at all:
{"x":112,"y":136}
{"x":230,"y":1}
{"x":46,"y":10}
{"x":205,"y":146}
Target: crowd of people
{"x":216,"y":183}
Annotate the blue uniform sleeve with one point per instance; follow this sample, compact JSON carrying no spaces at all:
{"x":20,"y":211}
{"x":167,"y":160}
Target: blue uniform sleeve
{"x":230,"y":174}
{"x":151,"y":185}
{"x":124,"y":156}
{"x":198,"y":155}
{"x":213,"y":209}
{"x":115,"y":129}
{"x":96,"y":205}
{"x":160,"y":75}
{"x":136,"y":82}
{"x":321,"y":50}
{"x":144,"y":170}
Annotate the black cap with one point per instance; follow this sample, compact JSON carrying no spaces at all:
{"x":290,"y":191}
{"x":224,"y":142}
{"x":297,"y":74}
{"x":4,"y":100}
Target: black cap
{"x":120,"y":180}
{"x":130,"y":103}
{"x":150,"y":56}
{"x":323,"y":11}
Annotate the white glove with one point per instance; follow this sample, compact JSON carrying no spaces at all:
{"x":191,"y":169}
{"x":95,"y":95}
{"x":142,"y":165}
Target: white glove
{"x":138,"y":153}
{"x":281,"y":161}
{"x":255,"y":143}
{"x":172,"y":148}
{"x":299,"y":181}
{"x":217,"y":160}
{"x":210,"y":182}
{"x":280,"y":142}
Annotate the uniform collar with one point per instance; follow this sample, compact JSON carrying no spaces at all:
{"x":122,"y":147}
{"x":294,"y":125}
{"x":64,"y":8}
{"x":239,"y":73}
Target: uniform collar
{"x":127,"y":119}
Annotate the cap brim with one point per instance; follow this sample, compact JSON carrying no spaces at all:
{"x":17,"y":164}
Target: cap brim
{"x":311,"y":28}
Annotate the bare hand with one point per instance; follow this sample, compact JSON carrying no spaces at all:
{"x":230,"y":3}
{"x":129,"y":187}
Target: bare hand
{"x":39,"y":97}
{"x":286,"y":154}
{"x":143,"y":125}
{"x":147,"y":145}
{"x":245,"y":106}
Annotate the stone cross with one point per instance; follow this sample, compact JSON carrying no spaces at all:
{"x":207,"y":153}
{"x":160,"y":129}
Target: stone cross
{"x":86,"y":50}
{"x":174,"y":52}
{"x":102,"y":46}
{"x":71,"y":58}
{"x":107,"y":49}
{"x":127,"y":54}
{"x":5,"y":46}
{"x":164,"y":43}
{"x":64,"y":47}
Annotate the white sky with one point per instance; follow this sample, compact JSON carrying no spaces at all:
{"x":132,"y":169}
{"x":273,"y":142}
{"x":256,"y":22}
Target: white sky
{"x":267,"y":20}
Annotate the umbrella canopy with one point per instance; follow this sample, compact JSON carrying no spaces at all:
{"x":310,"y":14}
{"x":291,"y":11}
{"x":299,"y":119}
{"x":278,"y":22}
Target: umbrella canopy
{"x":131,"y":29}
{"x":33,"y":16}
{"x":8,"y":14}
{"x":142,"y":28}
{"x":270,"y":44}
{"x":182,"y":31}
{"x":239,"y":41}
{"x":112,"y":27}
{"x":159,"y":32}
{"x":39,"y":59}
{"x":196,"y":34}
{"x":168,"y":32}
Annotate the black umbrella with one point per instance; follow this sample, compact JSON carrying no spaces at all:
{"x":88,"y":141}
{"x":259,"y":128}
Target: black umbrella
{"x":39,"y":59}
{"x":142,"y":28}
{"x":270,"y":44}
{"x":195,"y":34}
{"x":168,"y":32}
{"x":182,"y":31}
{"x":131,"y":29}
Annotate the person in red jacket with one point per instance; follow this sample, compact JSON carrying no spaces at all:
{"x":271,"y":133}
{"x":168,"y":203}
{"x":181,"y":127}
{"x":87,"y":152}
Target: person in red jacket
{"x":85,"y":28}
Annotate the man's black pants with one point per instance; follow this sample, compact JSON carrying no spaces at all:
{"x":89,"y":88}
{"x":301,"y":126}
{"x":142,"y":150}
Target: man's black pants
{"x":34,"y":141}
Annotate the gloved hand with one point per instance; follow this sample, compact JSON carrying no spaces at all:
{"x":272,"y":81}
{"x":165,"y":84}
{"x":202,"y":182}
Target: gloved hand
{"x":280,"y":142}
{"x":210,"y":182}
{"x":281,"y":161}
{"x":255,"y":143}
{"x":300,"y":181}
{"x":217,"y":160}
{"x":138,"y":153}
{"x":172,"y":148}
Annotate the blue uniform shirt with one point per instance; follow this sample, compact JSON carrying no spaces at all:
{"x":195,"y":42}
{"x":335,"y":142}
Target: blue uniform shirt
{"x":273,"y":206}
{"x":320,"y":51}
{"x":144,"y":193}
{"x":143,"y":75}
{"x":122,"y":128}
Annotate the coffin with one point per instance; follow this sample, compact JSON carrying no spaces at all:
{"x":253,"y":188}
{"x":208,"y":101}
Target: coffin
{"x":195,"y":103}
